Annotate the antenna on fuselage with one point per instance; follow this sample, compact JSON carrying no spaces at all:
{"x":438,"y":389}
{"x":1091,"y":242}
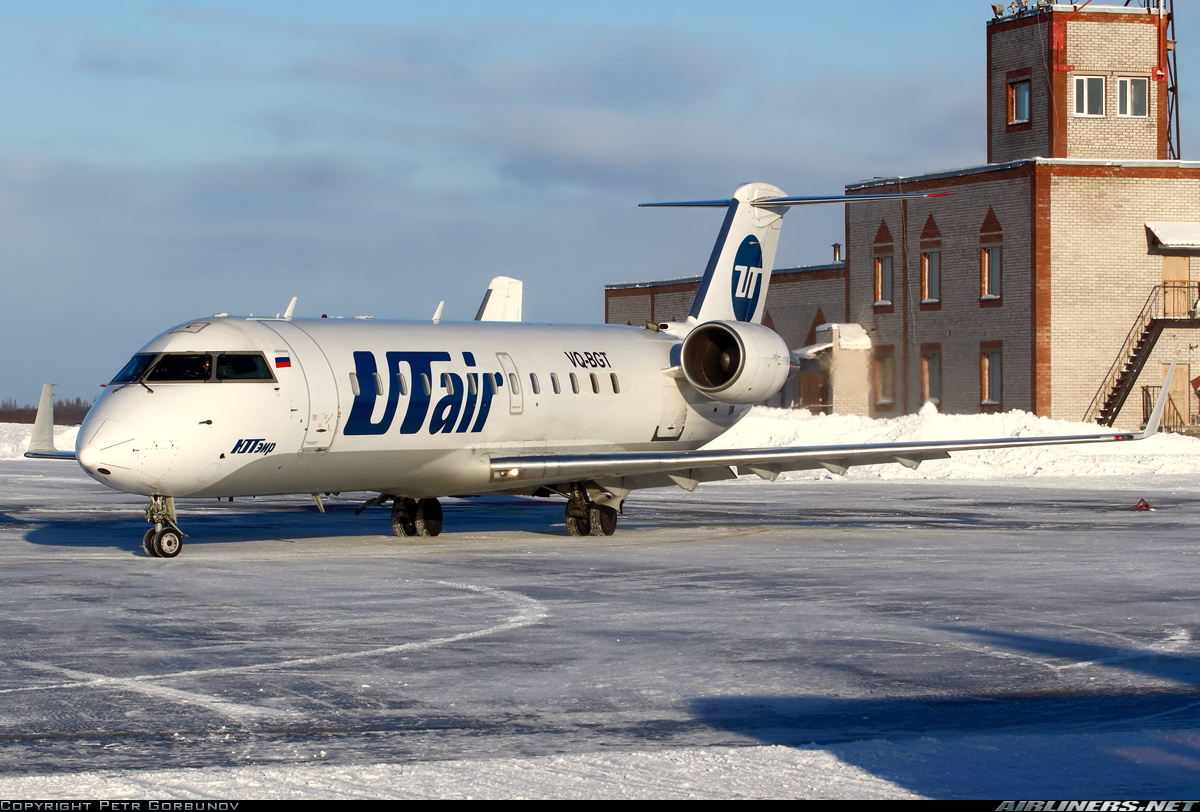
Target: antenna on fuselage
{"x":437,"y":314}
{"x":291,"y":308}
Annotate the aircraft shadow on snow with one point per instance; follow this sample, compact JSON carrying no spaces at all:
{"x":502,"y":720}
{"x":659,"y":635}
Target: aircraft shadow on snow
{"x":209,"y":521}
{"x":853,"y":729}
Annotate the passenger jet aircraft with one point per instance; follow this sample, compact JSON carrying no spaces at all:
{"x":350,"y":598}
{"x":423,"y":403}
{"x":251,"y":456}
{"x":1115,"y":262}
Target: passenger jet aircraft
{"x":414,"y":411}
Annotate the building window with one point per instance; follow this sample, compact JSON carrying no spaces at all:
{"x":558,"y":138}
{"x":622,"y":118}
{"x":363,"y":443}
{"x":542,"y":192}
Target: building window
{"x":1018,"y":102}
{"x":991,"y":377}
{"x":1089,"y":96}
{"x":883,"y":280}
{"x":989,"y":272}
{"x":931,"y":373}
{"x":883,"y":374}
{"x":931,"y":277}
{"x":1133,"y":97}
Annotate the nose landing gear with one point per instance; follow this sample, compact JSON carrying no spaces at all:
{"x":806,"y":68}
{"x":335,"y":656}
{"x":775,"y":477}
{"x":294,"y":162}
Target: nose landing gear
{"x":164,"y":539}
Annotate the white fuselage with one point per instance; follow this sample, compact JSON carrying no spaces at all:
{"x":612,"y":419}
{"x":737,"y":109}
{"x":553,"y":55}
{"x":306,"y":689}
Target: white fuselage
{"x":402,"y":408}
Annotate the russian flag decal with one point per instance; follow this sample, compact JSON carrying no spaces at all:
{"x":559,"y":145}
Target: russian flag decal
{"x":282,"y":361}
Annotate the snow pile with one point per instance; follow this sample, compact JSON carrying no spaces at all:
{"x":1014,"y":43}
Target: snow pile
{"x":1163,"y":454}
{"x":14,"y":439}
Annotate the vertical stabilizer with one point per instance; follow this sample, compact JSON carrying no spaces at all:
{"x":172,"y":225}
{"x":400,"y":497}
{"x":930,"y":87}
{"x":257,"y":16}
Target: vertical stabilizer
{"x":734,"y":287}
{"x":41,"y":441}
{"x":502,"y":302}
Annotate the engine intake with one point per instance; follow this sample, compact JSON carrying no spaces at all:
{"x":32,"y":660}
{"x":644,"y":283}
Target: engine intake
{"x":735,"y":361}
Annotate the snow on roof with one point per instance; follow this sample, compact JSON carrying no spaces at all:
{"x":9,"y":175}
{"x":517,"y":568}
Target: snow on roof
{"x":1173,"y":234}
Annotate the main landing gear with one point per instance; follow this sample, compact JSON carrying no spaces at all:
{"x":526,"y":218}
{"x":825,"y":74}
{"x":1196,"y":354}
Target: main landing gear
{"x":586,"y":518}
{"x":416,"y":518}
{"x":164,"y":539}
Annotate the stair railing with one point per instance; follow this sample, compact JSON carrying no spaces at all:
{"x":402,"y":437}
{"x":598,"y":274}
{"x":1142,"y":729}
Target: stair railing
{"x":1150,"y":311}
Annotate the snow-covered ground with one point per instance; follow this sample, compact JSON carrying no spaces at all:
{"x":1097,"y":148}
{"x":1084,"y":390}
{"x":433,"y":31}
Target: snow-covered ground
{"x":1000,"y":624}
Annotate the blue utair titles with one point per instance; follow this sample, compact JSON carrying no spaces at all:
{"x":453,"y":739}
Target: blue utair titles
{"x":454,"y":412}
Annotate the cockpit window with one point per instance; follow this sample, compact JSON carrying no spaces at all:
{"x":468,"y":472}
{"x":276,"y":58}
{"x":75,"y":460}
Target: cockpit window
{"x":135,"y":368}
{"x":243,"y":367}
{"x":181,"y":367}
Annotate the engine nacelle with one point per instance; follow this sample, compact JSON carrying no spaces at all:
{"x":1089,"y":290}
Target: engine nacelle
{"x":735,"y":361}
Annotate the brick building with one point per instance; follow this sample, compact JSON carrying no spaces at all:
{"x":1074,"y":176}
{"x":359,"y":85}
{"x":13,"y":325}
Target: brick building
{"x":1021,"y":289}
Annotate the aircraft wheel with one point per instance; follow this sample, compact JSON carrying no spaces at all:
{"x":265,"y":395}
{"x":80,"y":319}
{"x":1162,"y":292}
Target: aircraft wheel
{"x":603,"y":520}
{"x":148,"y":543}
{"x":403,"y":517}
{"x":167,"y":543}
{"x":429,"y":517}
{"x":578,"y":525}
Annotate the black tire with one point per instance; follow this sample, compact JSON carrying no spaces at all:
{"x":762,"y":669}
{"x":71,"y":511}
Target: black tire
{"x":603,"y":520}
{"x":403,"y":517}
{"x":429,"y":517}
{"x":167,"y":543}
{"x":578,"y":525}
{"x":148,"y":543}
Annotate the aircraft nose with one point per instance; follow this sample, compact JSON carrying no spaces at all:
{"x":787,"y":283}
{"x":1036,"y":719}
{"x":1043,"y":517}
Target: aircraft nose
{"x":106,"y":453}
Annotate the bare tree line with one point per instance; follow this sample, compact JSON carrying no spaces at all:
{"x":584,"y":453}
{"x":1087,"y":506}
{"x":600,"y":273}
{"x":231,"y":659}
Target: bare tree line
{"x":66,"y":412}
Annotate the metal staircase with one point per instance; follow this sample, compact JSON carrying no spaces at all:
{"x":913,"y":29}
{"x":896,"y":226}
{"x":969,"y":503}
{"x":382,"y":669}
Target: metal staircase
{"x":1171,"y":304}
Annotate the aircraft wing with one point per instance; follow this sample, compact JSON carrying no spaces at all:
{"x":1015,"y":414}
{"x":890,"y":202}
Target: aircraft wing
{"x":626,"y":471}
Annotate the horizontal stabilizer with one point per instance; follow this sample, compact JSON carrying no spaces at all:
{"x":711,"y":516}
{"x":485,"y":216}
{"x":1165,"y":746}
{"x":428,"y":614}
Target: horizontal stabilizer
{"x":41,"y":441}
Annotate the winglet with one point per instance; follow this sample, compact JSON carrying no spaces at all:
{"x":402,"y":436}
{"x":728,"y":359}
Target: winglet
{"x":41,"y":441}
{"x":1159,"y":405}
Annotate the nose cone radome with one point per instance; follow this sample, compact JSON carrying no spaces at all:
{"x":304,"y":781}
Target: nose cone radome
{"x":105,"y":449}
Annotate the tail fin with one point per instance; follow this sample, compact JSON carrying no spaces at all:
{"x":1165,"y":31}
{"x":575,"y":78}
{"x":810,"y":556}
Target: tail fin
{"x":41,"y":441}
{"x":502,"y":302}
{"x":734,"y":286}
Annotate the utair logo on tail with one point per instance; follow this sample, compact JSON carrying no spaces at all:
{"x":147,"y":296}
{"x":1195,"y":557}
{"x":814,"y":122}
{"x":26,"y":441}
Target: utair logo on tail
{"x":747,"y":279}
{"x":224,"y":407}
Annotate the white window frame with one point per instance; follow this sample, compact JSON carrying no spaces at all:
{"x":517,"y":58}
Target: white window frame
{"x":1125,"y":85}
{"x":1084,"y":96}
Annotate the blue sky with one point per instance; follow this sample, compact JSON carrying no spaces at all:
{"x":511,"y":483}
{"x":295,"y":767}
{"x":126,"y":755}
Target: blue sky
{"x":162,"y":161}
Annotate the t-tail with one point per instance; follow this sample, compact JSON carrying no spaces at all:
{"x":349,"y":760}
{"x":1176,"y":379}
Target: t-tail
{"x":734,"y":286}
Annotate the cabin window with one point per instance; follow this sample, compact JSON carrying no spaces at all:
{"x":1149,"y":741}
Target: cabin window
{"x":403,"y":383}
{"x":243,"y":366}
{"x":554,"y":383}
{"x":595,"y":383}
{"x":615,"y":383}
{"x":136,"y":367}
{"x":378,"y":383}
{"x":354,"y":384}
{"x":448,"y":383}
{"x":574,"y":384}
{"x":182,"y":368}
{"x":513,"y":383}
{"x":472,"y":388}
{"x":425,"y":386}
{"x":533,"y":381}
